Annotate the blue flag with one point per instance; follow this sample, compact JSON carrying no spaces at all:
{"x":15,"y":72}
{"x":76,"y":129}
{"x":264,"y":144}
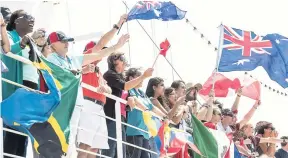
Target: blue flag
{"x":147,"y":10}
{"x":244,"y":51}
{"x":24,"y":108}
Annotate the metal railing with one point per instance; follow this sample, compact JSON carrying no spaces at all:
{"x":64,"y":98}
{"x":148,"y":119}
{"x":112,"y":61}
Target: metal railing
{"x":117,"y":120}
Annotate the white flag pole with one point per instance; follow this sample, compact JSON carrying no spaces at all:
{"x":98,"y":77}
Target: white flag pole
{"x":219,"y":52}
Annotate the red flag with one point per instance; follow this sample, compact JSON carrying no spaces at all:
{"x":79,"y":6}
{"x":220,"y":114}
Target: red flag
{"x":252,"y":90}
{"x":164,"y":46}
{"x":223,"y":86}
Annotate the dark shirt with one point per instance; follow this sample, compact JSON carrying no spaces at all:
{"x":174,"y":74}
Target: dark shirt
{"x":117,"y":83}
{"x":281,"y":154}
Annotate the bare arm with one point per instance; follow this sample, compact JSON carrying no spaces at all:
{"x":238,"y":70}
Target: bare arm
{"x":5,"y":40}
{"x":133,"y":83}
{"x":99,"y":54}
{"x":139,"y":104}
{"x":158,"y":112}
{"x":109,"y":35}
{"x":268,"y":150}
{"x":202,"y":113}
{"x":157,"y":104}
{"x":174,"y":110}
{"x":249,"y":115}
{"x":206,"y":112}
{"x":237,"y":100}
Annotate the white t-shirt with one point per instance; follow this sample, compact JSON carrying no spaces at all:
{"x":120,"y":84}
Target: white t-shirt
{"x":221,"y":128}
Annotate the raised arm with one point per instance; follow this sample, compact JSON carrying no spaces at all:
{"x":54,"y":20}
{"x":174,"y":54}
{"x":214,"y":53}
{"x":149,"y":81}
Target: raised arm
{"x":133,"y":83}
{"x":5,"y":40}
{"x":99,"y":54}
{"x":250,"y":113}
{"x":235,"y":106}
{"x":109,"y":35}
{"x":206,"y":111}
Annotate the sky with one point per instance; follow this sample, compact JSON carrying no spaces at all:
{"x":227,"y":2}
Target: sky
{"x":190,"y":55}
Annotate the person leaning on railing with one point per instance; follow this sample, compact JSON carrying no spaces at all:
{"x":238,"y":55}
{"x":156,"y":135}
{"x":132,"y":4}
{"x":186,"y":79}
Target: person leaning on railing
{"x":94,"y":101}
{"x":135,"y":118}
{"x":115,"y":79}
{"x":19,"y":26}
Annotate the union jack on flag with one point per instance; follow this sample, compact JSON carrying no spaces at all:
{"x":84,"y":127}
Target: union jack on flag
{"x":247,"y":41}
{"x":147,"y":10}
{"x":244,"y":51}
{"x":148,"y":4}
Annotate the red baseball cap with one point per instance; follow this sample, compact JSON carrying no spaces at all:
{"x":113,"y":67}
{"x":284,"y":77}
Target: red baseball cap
{"x":58,"y":36}
{"x":89,"y":46}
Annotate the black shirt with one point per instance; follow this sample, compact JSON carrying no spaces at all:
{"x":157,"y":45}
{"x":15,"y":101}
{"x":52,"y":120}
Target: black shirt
{"x":117,"y":83}
{"x":281,"y":154}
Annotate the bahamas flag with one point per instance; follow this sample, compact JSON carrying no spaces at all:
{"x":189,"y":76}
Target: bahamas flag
{"x":44,"y":117}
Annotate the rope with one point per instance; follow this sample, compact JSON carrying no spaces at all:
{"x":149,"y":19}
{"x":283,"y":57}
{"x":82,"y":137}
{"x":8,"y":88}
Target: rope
{"x":171,"y":54}
{"x":153,"y":42}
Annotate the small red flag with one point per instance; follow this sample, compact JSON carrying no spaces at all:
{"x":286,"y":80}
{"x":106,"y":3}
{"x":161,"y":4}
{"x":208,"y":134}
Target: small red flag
{"x":164,"y":46}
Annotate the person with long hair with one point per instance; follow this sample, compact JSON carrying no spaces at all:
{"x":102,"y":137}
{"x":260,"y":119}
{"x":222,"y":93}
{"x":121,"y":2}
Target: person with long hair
{"x":136,"y":118}
{"x":174,"y":107}
{"x":265,"y":130}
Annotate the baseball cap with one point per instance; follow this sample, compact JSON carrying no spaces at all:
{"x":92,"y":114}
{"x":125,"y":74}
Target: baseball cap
{"x":58,"y":36}
{"x":89,"y":46}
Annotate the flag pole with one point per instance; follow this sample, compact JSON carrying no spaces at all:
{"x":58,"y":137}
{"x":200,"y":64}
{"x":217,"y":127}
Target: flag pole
{"x":153,"y":42}
{"x":219,"y":52}
{"x":155,"y":60}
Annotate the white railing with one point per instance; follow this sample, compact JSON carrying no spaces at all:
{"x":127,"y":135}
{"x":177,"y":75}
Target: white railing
{"x":117,"y":119}
{"x":118,"y":132}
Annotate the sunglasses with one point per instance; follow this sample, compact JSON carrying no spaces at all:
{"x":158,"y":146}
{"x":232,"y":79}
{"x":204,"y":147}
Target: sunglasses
{"x":121,"y":58}
{"x":27,"y":17}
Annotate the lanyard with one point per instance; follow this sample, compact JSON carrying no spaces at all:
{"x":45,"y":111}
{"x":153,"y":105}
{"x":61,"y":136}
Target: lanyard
{"x":64,"y":60}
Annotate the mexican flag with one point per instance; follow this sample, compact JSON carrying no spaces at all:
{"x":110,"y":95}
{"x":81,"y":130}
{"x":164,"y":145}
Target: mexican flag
{"x":211,"y":143}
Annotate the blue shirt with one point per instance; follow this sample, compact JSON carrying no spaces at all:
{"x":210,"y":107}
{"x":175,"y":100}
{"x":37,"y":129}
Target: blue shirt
{"x":67,"y":62}
{"x":135,"y":117}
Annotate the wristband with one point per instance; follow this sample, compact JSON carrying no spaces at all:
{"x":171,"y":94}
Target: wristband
{"x":238,"y":95}
{"x":3,"y":25}
{"x":116,"y":27}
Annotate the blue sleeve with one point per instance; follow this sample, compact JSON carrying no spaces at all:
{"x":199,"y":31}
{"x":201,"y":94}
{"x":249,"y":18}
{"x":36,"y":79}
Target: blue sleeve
{"x":14,"y":46}
{"x":132,"y":93}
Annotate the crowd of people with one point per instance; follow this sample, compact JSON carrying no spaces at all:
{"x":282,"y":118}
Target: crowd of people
{"x":176,"y":102}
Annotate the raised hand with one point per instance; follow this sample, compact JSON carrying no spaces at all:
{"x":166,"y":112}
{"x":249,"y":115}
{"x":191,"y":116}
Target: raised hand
{"x":148,"y":72}
{"x":122,"y":40}
{"x":122,"y":20}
